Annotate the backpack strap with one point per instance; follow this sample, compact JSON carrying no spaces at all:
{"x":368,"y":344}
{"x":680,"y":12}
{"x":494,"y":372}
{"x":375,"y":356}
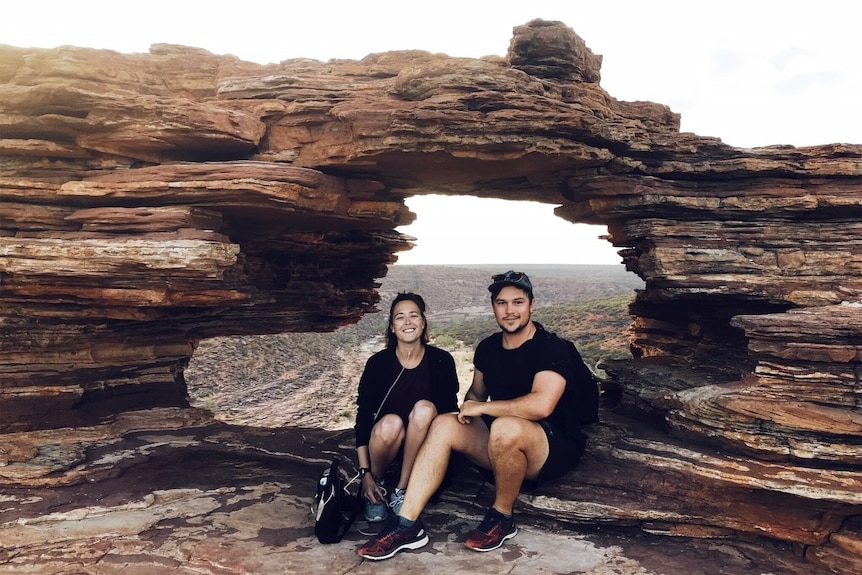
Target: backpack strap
{"x":353,"y":503}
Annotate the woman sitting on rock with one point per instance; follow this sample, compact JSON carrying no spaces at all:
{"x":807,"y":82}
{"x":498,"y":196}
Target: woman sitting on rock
{"x":402,"y":389}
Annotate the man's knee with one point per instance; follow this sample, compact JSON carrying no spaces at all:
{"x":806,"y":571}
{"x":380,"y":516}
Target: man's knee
{"x":444,"y":426}
{"x":511,"y":433}
{"x":448,"y":434}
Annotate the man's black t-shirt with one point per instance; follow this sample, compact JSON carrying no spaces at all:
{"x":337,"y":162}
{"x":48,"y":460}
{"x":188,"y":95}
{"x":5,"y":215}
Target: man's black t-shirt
{"x":509,"y":373}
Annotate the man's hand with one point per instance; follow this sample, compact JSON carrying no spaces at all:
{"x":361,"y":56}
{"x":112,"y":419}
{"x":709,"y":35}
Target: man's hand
{"x":470,"y":409}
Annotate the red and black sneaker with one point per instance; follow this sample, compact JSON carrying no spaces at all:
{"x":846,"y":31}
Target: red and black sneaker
{"x":494,"y":529}
{"x":394,"y":538}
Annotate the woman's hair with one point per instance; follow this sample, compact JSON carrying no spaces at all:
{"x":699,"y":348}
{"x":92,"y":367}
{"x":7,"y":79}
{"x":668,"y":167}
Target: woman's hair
{"x":391,"y":340}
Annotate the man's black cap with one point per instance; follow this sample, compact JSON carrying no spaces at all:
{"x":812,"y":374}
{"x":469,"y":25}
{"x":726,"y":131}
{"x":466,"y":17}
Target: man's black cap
{"x":511,"y":278}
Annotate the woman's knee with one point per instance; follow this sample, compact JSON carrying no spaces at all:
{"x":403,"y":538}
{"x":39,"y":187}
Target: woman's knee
{"x":423,"y":413}
{"x":389,"y":429}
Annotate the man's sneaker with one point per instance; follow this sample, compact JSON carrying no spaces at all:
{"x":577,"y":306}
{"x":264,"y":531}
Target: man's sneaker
{"x":376,"y":512}
{"x":494,"y":529}
{"x":396,"y":499}
{"x":394,"y":538}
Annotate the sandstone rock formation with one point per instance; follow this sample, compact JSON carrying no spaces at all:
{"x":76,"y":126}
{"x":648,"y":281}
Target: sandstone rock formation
{"x":148,"y":201}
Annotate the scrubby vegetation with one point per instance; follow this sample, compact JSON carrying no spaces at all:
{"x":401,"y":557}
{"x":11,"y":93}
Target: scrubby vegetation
{"x":291,"y":378}
{"x":598,"y":326}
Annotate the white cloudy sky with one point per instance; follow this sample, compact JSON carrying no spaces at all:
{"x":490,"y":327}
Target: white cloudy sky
{"x":751,"y":72}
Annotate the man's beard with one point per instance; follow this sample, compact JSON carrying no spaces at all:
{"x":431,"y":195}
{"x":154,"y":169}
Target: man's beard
{"x":517,"y":329}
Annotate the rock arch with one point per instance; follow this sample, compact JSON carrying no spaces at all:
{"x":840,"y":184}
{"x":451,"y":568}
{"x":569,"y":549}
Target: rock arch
{"x":152,"y":200}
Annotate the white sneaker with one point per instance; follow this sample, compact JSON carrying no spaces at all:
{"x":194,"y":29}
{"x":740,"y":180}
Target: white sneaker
{"x":396,"y":499}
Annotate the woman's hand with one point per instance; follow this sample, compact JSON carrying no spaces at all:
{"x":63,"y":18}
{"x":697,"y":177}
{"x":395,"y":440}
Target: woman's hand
{"x":370,"y":490}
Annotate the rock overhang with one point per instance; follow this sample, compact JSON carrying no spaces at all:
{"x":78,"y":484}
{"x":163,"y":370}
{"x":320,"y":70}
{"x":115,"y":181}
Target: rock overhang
{"x":152,"y":200}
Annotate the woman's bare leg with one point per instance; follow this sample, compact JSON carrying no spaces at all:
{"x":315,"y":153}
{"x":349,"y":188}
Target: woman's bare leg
{"x":419,"y":422}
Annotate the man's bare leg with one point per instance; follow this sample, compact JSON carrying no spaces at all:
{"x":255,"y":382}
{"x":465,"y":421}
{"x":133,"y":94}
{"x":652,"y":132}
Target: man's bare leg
{"x":446,"y":435}
{"x":517,"y":449}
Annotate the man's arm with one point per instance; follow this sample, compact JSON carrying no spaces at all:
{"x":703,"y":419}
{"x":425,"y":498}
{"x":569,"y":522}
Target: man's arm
{"x":476,"y":395}
{"x":548,"y":388}
{"x":477,"y":391}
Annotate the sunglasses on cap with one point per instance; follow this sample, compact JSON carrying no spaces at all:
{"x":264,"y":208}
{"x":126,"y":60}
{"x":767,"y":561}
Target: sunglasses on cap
{"x":509,"y":276}
{"x":518,"y":279}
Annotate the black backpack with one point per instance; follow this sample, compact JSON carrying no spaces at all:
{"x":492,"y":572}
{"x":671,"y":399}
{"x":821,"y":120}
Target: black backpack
{"x":335,"y":508}
{"x":582,"y":390}
{"x":586,"y":388}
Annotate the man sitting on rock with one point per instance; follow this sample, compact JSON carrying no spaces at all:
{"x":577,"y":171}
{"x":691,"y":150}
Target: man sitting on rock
{"x":512,"y":422}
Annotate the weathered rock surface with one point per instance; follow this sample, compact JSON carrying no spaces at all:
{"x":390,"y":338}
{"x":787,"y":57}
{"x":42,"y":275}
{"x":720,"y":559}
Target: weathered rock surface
{"x":136,"y":503}
{"x":148,"y":201}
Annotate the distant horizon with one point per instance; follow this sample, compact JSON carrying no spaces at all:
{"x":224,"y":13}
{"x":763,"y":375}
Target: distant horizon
{"x":608,"y":271}
{"x":506,"y":265}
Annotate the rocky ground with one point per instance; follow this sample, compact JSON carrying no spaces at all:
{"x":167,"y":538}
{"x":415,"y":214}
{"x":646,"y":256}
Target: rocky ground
{"x":174,"y":492}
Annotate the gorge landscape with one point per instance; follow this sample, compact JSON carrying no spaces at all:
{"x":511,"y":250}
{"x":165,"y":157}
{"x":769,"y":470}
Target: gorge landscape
{"x":310,"y":379}
{"x":161,"y":208}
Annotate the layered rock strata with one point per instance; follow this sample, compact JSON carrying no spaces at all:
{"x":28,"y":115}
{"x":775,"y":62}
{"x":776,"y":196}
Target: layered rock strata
{"x":152,"y":200}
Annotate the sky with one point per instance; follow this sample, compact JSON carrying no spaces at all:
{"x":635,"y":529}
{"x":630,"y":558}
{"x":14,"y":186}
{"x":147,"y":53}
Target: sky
{"x":751,"y":72}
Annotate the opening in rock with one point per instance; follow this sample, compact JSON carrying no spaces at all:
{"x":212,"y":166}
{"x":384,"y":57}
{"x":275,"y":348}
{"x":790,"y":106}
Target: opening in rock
{"x":310,"y":379}
{"x":471,"y":230}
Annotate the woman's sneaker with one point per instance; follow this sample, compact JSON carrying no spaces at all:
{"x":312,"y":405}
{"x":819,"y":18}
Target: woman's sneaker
{"x":394,"y":537}
{"x":494,"y":529}
{"x":376,"y":512}
{"x":396,"y":499}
